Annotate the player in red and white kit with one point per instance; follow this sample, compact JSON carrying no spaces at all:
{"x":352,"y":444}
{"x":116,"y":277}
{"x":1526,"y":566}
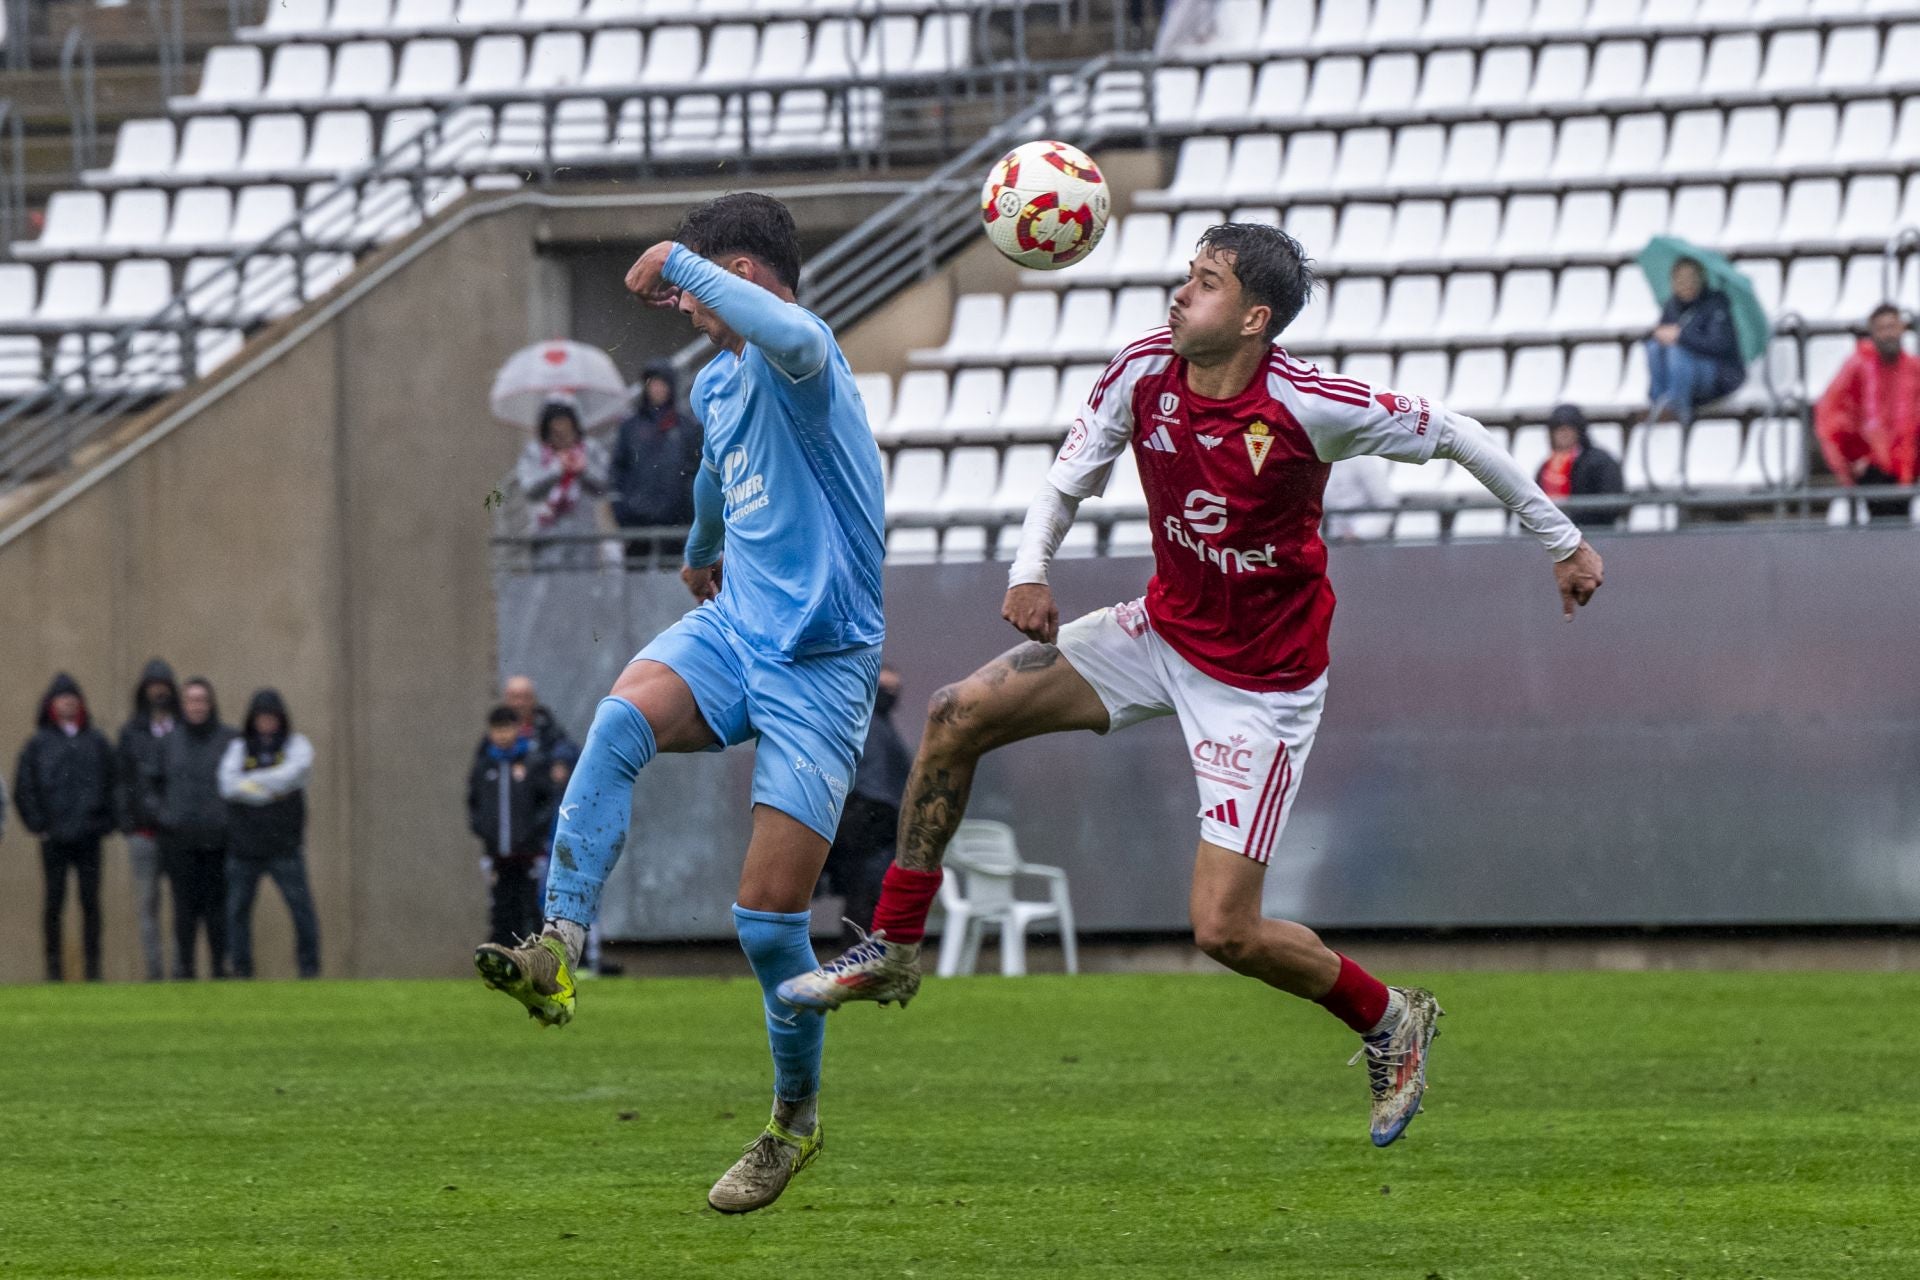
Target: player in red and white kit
{"x":1234,"y":439}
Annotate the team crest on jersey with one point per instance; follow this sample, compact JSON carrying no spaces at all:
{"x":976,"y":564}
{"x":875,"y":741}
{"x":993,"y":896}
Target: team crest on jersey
{"x":1259,"y":444}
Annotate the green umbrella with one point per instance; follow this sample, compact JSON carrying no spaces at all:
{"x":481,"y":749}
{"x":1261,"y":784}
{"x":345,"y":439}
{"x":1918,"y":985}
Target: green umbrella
{"x":1750,"y":321}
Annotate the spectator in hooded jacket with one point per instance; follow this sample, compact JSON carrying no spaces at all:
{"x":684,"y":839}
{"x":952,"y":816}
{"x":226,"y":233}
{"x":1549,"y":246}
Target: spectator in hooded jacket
{"x":863,"y":844}
{"x":1577,"y":467}
{"x":64,"y":789}
{"x":141,"y":774}
{"x":656,"y":456}
{"x":1868,"y":420}
{"x":263,"y":777}
{"x":1693,"y":356}
{"x":563,"y":475}
{"x":193,"y":829}
{"x":510,"y":806}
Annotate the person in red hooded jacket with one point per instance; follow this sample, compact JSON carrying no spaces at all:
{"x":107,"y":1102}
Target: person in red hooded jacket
{"x":1868,"y":420}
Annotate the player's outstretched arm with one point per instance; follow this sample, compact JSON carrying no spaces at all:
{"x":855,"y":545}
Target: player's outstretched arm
{"x":1577,"y":568}
{"x":785,"y":334}
{"x":707,"y":539}
{"x":1029,"y":605}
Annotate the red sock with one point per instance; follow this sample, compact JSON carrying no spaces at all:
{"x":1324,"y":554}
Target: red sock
{"x":1358,"y":998}
{"x":905,"y":898}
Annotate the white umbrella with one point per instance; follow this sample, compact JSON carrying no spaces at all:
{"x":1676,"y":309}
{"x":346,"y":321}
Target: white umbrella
{"x":571,"y":372}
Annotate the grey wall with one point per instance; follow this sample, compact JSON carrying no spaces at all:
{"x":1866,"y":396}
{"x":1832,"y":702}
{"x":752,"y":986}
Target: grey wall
{"x":1730,"y":734}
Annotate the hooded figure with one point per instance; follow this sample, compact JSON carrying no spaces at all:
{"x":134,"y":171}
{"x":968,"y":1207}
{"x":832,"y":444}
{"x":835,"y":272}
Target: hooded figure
{"x":142,"y":778}
{"x":1577,"y":467}
{"x":193,"y":828}
{"x":263,"y":776}
{"x":64,"y":789}
{"x":655,"y":458}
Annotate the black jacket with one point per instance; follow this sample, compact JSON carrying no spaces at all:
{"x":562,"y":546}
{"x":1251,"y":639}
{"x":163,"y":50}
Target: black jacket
{"x":526,"y":785}
{"x":656,"y":455}
{"x":885,"y":761}
{"x":64,"y":787}
{"x":274,"y":826}
{"x":139,"y":766}
{"x":193,"y":816}
{"x":1594,"y":471}
{"x":1707,"y":330}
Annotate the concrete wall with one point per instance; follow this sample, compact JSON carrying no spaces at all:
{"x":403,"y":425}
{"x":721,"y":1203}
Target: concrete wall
{"x":321,"y":528}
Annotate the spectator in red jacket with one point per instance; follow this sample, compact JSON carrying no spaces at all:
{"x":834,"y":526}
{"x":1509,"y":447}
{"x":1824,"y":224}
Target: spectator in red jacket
{"x":1868,"y":420}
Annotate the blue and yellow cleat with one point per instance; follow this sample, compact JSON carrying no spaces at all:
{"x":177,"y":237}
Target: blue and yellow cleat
{"x":535,"y":973}
{"x":1397,"y":1065}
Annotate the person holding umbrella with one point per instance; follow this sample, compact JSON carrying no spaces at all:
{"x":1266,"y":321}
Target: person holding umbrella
{"x":1694,"y":355}
{"x":562,"y":472}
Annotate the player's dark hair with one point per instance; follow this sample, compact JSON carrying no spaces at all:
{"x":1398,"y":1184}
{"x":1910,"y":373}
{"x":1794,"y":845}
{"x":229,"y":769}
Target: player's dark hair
{"x":745,"y":222}
{"x":1884,"y":309}
{"x":1273,"y":270}
{"x":502,"y":715}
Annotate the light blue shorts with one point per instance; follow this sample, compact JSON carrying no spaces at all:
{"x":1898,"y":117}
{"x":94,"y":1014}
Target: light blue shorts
{"x":808,"y":715}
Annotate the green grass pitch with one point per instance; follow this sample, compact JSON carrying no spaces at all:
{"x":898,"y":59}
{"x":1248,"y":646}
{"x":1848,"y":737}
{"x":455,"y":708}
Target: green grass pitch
{"x":1581,"y":1126}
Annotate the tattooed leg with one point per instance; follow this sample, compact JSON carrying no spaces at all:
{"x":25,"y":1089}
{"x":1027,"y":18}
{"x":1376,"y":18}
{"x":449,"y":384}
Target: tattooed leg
{"x":1026,"y":692}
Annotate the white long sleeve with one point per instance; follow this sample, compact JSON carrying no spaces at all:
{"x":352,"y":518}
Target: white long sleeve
{"x":263,"y":786}
{"x":1048,"y":520}
{"x":1469,"y":444}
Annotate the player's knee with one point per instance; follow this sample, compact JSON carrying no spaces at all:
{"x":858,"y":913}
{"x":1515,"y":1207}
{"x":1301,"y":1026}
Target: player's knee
{"x":952,"y":721}
{"x":1224,"y":936}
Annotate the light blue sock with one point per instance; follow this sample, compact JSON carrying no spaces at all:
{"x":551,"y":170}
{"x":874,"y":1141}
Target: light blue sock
{"x":777,"y":947}
{"x":595,"y":810}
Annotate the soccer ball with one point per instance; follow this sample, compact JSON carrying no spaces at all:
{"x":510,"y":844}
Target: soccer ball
{"x":1045,"y":205}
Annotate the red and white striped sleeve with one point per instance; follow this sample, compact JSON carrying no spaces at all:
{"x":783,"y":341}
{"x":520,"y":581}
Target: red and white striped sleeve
{"x":1346,"y":418}
{"x":1104,"y":428}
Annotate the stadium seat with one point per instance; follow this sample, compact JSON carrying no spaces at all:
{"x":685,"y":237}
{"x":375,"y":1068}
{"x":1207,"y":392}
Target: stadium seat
{"x":1712,"y":458}
{"x":973,"y":408}
{"x":979,"y":894}
{"x":74,"y":220}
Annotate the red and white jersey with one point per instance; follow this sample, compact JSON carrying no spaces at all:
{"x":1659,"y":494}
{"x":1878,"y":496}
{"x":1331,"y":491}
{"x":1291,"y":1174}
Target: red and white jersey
{"x":1233,"y":489}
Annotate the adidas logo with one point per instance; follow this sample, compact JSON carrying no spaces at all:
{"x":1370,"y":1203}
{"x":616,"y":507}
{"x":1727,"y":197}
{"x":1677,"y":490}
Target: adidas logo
{"x":1228,"y":813}
{"x":1160,"y":441}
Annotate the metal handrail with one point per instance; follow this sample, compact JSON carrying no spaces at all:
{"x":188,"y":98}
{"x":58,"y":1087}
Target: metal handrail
{"x":76,"y":61}
{"x":13,"y":172}
{"x":19,"y":38}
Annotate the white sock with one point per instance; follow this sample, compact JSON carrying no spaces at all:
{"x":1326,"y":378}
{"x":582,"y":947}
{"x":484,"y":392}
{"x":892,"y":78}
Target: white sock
{"x":572,"y":935}
{"x":1396,"y":1010}
{"x":798,"y":1118}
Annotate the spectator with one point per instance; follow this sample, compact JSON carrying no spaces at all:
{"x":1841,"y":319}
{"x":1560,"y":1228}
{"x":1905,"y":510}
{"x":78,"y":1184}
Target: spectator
{"x":655,"y":458}
{"x":560,"y":473}
{"x":1358,"y":484}
{"x":863,"y":844}
{"x":1868,"y":420}
{"x":510,"y":807}
{"x":1577,"y":468}
{"x":64,"y":789}
{"x":263,"y":777}
{"x":140,"y":771}
{"x":537,"y":723}
{"x":193,"y":829}
{"x":1693,"y":356}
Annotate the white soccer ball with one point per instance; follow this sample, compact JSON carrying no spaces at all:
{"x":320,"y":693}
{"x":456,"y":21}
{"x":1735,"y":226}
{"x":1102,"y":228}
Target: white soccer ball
{"x":1045,"y":205}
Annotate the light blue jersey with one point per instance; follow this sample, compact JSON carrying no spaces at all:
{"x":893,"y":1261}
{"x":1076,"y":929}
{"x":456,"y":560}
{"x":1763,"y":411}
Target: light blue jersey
{"x":790,"y":467}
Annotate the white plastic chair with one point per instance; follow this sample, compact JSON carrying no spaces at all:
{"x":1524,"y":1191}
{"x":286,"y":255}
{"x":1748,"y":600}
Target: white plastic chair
{"x":985,"y":857}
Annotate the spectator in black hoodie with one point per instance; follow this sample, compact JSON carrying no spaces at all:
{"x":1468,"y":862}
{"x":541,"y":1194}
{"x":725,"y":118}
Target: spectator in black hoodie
{"x":263,"y":776}
{"x":538,"y":724}
{"x":193,"y":829}
{"x":656,"y":455}
{"x":1577,"y":467}
{"x":143,"y":743}
{"x":64,"y":789}
{"x":510,"y":804}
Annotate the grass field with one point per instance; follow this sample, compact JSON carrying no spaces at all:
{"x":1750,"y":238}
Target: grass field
{"x":1582,"y":1125}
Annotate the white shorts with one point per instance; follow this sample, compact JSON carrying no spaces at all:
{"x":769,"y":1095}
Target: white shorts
{"x":1248,"y":749}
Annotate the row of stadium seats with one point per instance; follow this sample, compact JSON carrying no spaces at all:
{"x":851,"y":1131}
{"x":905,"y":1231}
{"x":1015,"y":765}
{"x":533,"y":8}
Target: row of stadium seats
{"x":227,"y":151}
{"x":339,"y":20}
{"x":367,"y":73}
{"x":1332,"y":24}
{"x":977,"y":489}
{"x":1638,"y":150}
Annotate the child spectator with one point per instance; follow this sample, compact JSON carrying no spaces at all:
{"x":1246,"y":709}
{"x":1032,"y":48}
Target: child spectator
{"x":510,"y":806}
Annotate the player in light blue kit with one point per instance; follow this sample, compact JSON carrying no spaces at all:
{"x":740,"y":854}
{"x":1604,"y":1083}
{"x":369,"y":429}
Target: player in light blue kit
{"x":786,"y":653}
